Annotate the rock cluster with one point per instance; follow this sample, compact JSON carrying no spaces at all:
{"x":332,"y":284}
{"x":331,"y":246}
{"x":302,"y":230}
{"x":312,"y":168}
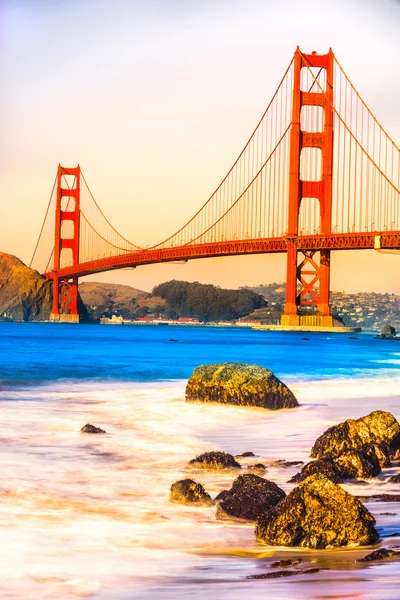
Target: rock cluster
{"x":354,"y":449}
{"x":241,"y":384}
{"x":317,"y":514}
{"x":379,"y":428}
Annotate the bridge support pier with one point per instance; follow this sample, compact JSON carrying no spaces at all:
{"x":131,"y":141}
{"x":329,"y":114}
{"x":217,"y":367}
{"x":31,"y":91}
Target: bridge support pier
{"x":308,"y":271}
{"x":65,"y":301}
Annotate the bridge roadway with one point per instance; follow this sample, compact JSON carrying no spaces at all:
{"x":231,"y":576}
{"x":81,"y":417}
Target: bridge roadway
{"x":335,"y":241}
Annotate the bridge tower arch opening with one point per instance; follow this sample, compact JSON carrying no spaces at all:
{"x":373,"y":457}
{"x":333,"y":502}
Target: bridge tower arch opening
{"x":66,"y":243}
{"x":310,"y":176}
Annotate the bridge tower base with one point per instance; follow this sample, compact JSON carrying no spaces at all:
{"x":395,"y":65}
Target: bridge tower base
{"x":65,"y":290}
{"x":65,"y":301}
{"x":308,"y":272}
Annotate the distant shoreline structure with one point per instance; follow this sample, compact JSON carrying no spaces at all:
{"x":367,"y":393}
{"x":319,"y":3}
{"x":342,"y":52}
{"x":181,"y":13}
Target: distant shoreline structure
{"x":181,"y":321}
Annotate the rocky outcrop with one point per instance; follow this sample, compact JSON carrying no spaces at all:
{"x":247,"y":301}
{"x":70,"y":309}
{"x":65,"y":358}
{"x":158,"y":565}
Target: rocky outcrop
{"x":187,"y":491}
{"x":249,"y":497}
{"x":214,"y":460}
{"x":89,"y":428}
{"x":24,"y":294}
{"x":317,"y":514}
{"x":379,"y":427}
{"x":323,"y":465}
{"x":241,"y":384}
{"x":387,"y":333}
{"x":395,"y":478}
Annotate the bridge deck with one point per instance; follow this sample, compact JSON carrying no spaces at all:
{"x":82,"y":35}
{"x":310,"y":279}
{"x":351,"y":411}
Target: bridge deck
{"x":350,"y":241}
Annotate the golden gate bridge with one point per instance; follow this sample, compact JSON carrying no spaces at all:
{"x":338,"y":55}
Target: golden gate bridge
{"x":318,"y":173}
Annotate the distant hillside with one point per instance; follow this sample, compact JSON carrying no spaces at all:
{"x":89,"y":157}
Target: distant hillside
{"x":369,"y":310}
{"x":106,"y":299}
{"x":24,"y":294}
{"x":207,"y":302}
{"x":171,"y":299}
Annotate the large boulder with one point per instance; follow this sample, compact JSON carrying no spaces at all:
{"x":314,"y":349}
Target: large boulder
{"x":249,"y":497}
{"x":379,"y":427}
{"x":215,"y":460}
{"x":241,"y":384}
{"x":317,"y":514}
{"x":187,"y":491}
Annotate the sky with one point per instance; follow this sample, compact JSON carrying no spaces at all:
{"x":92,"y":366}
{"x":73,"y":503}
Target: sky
{"x":156,"y":98}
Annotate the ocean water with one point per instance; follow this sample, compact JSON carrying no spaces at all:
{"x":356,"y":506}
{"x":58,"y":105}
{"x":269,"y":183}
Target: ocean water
{"x":88,"y":516}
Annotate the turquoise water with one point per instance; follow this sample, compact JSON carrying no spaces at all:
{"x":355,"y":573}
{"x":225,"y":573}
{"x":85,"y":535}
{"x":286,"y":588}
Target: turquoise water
{"x":89,"y":516}
{"x":47,"y":352}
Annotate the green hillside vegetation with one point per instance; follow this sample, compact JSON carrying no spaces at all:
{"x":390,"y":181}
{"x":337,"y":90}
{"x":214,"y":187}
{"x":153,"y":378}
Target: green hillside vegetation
{"x":207,"y":302}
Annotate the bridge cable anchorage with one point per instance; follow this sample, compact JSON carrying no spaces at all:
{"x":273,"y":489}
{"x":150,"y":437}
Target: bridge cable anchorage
{"x":350,"y":132}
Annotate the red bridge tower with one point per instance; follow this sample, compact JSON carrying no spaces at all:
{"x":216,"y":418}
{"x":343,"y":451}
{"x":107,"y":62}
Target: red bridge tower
{"x":304,"y":270}
{"x":65,"y":290}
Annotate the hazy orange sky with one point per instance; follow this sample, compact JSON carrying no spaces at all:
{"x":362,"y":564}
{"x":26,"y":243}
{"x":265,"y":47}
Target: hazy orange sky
{"x":156,"y":98}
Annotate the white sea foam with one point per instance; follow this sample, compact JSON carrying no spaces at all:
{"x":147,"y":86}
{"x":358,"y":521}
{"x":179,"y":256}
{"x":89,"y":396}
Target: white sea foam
{"x":88,"y":516}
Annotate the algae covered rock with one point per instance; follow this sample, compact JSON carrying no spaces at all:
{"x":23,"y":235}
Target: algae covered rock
{"x":187,"y":491}
{"x":317,"y":514}
{"x":249,"y":497}
{"x":89,"y":428}
{"x":321,"y":465}
{"x":354,"y":464}
{"x":241,"y":384}
{"x":379,"y":427}
{"x":215,"y":460}
{"x":380,"y":554}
